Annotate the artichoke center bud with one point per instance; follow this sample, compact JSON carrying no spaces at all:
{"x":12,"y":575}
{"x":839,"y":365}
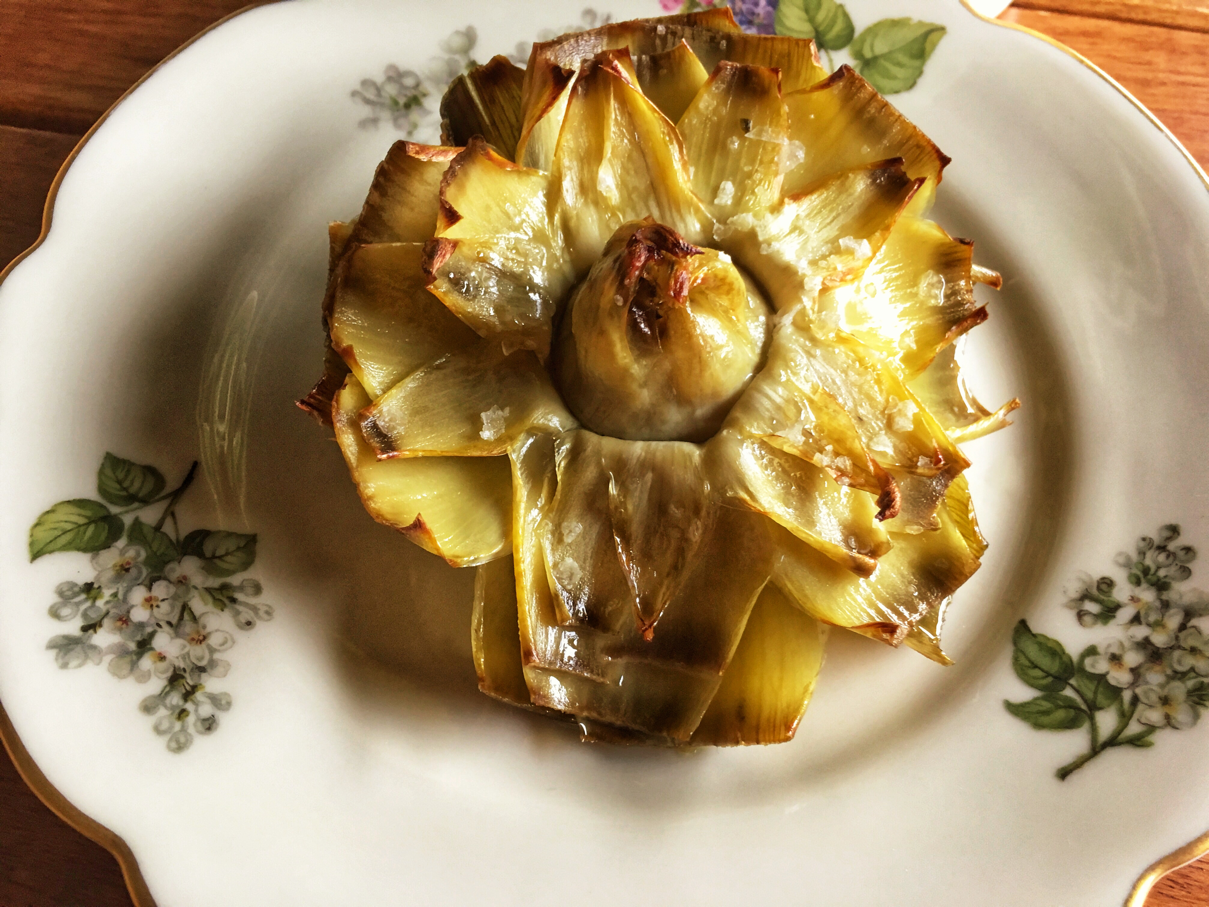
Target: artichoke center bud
{"x":660,"y":339}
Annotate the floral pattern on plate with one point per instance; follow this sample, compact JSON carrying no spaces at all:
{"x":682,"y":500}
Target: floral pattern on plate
{"x":158,"y":605}
{"x":1152,"y":674}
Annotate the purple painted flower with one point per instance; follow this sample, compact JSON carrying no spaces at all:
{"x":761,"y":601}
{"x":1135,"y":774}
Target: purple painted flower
{"x":756,"y":16}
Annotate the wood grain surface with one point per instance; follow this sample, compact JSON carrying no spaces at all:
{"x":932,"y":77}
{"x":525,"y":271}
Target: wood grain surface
{"x":64,"y":62}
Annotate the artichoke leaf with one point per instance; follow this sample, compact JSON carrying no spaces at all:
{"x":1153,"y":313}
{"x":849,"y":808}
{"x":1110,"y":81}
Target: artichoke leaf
{"x":915,"y":298}
{"x":618,"y":159}
{"x":338,"y":234}
{"x":318,"y":403}
{"x":500,"y":266}
{"x":825,"y":235}
{"x":472,"y":403}
{"x":840,"y":522}
{"x":924,"y":636}
{"x":896,"y":429}
{"x":384,"y":323}
{"x":404,"y":196}
{"x":941,"y":388}
{"x":845,"y":123}
{"x":768,"y":683}
{"x":494,"y":640}
{"x":671,"y":79}
{"x":486,"y":101}
{"x":735,"y":137}
{"x":911,"y":581}
{"x":458,"y":508}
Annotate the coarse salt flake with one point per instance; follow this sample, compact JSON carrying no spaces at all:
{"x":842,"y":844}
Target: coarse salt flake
{"x":494,"y":423}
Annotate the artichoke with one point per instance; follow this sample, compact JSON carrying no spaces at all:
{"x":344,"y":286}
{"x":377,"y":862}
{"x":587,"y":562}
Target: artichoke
{"x":662,"y":343}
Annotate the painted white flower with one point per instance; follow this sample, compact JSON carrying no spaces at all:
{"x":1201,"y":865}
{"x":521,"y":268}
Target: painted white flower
{"x":245,"y":614}
{"x":74,"y":650}
{"x":167,"y":654}
{"x":461,"y":42}
{"x":128,"y":662}
{"x":1193,"y":653}
{"x":185,"y":574}
{"x":1159,"y":626}
{"x":1117,"y":661}
{"x":1138,"y":600}
{"x":1166,"y":706}
{"x":1156,"y":669}
{"x":158,"y":602}
{"x":119,"y":567}
{"x":1083,"y":584}
{"x":119,"y":621}
{"x":204,"y":638}
{"x":1191,"y":601}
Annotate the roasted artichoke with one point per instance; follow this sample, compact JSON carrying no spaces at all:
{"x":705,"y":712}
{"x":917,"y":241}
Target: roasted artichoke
{"x":662,"y":343}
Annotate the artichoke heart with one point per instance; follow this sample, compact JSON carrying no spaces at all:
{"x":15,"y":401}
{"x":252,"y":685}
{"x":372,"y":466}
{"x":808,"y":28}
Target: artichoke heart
{"x":661,"y":341}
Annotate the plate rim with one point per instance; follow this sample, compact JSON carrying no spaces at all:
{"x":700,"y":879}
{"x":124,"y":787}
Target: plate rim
{"x":127,"y":862}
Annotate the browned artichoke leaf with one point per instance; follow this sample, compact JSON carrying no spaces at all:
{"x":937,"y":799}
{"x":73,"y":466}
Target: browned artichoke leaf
{"x":924,"y":637}
{"x":498,"y":261}
{"x":843,"y":123}
{"x":827,"y":234}
{"x":618,"y":159}
{"x":318,"y":403}
{"x":797,"y":59}
{"x":911,"y":581}
{"x":660,"y":686}
{"x":338,"y":234}
{"x":671,"y":79}
{"x":384,"y":323}
{"x":472,"y":403}
{"x":768,"y":683}
{"x":403,"y":198}
{"x":941,"y":388}
{"x":486,"y":101}
{"x":840,"y":522}
{"x":735,"y":134}
{"x":545,"y":95}
{"x":458,"y":508}
{"x":494,"y":640}
{"x":915,"y":298}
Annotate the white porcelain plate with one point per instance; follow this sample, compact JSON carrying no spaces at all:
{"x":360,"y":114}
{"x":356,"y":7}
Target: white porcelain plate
{"x":340,"y":752}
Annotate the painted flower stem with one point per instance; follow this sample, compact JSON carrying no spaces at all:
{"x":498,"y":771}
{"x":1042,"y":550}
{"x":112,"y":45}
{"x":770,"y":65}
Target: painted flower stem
{"x":1124,"y":717}
{"x":174,"y":496}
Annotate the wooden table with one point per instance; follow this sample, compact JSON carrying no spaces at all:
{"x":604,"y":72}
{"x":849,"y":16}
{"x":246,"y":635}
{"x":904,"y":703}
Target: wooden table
{"x":63,"y":62}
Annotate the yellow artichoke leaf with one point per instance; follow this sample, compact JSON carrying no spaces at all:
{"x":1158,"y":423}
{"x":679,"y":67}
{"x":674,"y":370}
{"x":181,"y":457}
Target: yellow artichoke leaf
{"x":494,"y":640}
{"x":546,"y":92}
{"x":840,"y":522}
{"x":586,"y":578}
{"x":915,"y":298}
{"x":797,"y":59}
{"x":486,"y":101}
{"x":961,"y":511}
{"x":404,"y":195}
{"x":384,"y":323}
{"x":844,"y":123}
{"x":896,"y":429}
{"x":498,"y":261}
{"x":473,"y":403}
{"x":787,"y":408}
{"x":825,"y":235}
{"x":924,"y":637}
{"x":769,"y":682}
{"x":338,"y":234}
{"x":458,"y":508}
{"x":918,"y":573}
{"x":943,"y":391}
{"x":735,"y":138}
{"x":618,"y":159}
{"x":671,"y":79}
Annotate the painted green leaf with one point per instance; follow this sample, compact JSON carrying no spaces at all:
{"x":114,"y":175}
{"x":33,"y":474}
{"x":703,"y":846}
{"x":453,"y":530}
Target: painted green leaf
{"x":160,"y":548}
{"x":1050,"y":712}
{"x":824,"y":20}
{"x":1095,"y":688}
{"x":222,"y":553}
{"x":76,"y":525}
{"x":1040,"y":661}
{"x":122,"y":483}
{"x":891,"y":53}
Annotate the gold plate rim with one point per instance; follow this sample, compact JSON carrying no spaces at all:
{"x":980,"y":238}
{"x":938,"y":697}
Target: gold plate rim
{"x":135,"y":883}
